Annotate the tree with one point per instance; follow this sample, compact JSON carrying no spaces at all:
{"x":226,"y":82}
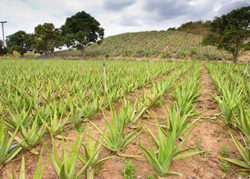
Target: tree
{"x":3,"y":49}
{"x":230,"y":32}
{"x":20,"y":42}
{"x":47,"y":38}
{"x":81,"y":30}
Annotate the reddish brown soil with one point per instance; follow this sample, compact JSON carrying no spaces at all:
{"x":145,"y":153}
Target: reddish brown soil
{"x":209,"y":135}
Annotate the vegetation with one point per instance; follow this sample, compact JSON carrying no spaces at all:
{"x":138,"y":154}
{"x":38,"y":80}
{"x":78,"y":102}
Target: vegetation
{"x":198,"y":27}
{"x":46,"y":38}
{"x":80,"y":30}
{"x":20,"y":42}
{"x":233,"y":99}
{"x":129,"y":170}
{"x":230,"y":32}
{"x":72,"y":92}
{"x":152,"y":44}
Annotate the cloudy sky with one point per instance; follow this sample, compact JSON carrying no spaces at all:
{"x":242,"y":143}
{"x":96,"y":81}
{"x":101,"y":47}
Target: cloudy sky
{"x":116,"y":16}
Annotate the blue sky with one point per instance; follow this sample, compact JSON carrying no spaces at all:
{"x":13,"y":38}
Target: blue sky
{"x":115,"y":16}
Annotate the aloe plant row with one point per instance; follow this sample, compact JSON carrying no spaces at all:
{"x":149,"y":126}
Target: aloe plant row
{"x":178,"y":122}
{"x":232,"y":82}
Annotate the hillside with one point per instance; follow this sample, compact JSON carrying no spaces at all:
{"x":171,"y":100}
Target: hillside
{"x":198,"y":27}
{"x":153,"y":44}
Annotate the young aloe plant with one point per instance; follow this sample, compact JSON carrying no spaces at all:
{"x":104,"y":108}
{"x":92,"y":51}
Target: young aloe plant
{"x":128,"y":111}
{"x":88,"y":110}
{"x":115,"y":140}
{"x":182,"y":123}
{"x":54,"y":125}
{"x":38,"y":172}
{"x":65,"y":167}
{"x":89,"y":150}
{"x":185,"y":95}
{"x":5,"y":145}
{"x":167,"y":151}
{"x":32,"y":135}
{"x":231,"y":97}
{"x":18,"y":119}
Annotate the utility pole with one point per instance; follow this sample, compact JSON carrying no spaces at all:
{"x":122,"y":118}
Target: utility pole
{"x":3,"y":22}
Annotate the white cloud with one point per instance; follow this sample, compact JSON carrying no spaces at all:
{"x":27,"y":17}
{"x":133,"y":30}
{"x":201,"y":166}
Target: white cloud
{"x":115,"y":16}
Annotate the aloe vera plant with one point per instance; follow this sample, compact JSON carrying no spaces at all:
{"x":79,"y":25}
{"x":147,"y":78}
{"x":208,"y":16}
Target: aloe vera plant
{"x":55,"y":123}
{"x":31,"y":135}
{"x":66,"y":167}
{"x":17,"y":118}
{"x":231,"y":97}
{"x":167,"y":151}
{"x":90,"y":149}
{"x":115,"y":140}
{"x":88,"y":110}
{"x":5,"y":144}
{"x":186,"y":94}
{"x":180,"y":123}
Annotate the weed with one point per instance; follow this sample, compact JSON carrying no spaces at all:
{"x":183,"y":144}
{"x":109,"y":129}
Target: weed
{"x":224,"y":150}
{"x":150,"y":176}
{"x":226,"y":168}
{"x":129,"y":170}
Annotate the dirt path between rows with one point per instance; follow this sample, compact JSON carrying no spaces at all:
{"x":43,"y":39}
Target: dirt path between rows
{"x":209,"y":135}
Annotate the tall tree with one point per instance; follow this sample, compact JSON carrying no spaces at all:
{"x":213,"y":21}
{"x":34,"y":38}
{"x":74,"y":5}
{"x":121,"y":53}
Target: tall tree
{"x":20,"y":42}
{"x":81,"y":30}
{"x":230,"y":32}
{"x":47,"y":38}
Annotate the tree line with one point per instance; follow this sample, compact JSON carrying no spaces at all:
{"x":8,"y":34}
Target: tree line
{"x":79,"y":31}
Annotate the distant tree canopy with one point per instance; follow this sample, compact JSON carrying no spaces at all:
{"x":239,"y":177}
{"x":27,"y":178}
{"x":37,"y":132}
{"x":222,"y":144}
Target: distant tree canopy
{"x":198,"y":27}
{"x":172,"y":29}
{"x":230,"y":32}
{"x":20,"y":42}
{"x":46,"y":38}
{"x":81,"y":30}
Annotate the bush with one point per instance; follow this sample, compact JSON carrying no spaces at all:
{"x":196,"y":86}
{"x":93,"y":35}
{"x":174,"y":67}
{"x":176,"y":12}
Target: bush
{"x":193,"y":51}
{"x":127,"y":53}
{"x":107,"y":55}
{"x":166,"y":55}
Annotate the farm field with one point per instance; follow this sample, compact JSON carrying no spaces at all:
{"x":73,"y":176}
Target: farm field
{"x":73,"y":119}
{"x":151,"y":44}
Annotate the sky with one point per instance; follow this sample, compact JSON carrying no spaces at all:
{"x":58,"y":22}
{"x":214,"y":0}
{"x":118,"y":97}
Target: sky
{"x":115,"y":16}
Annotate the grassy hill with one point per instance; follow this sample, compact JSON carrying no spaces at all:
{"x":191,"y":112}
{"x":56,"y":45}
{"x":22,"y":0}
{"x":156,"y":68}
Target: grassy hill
{"x":198,"y":27}
{"x":152,"y":44}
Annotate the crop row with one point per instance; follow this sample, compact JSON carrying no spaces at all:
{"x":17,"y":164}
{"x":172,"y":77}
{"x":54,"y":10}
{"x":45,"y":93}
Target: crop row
{"x":232,"y":83}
